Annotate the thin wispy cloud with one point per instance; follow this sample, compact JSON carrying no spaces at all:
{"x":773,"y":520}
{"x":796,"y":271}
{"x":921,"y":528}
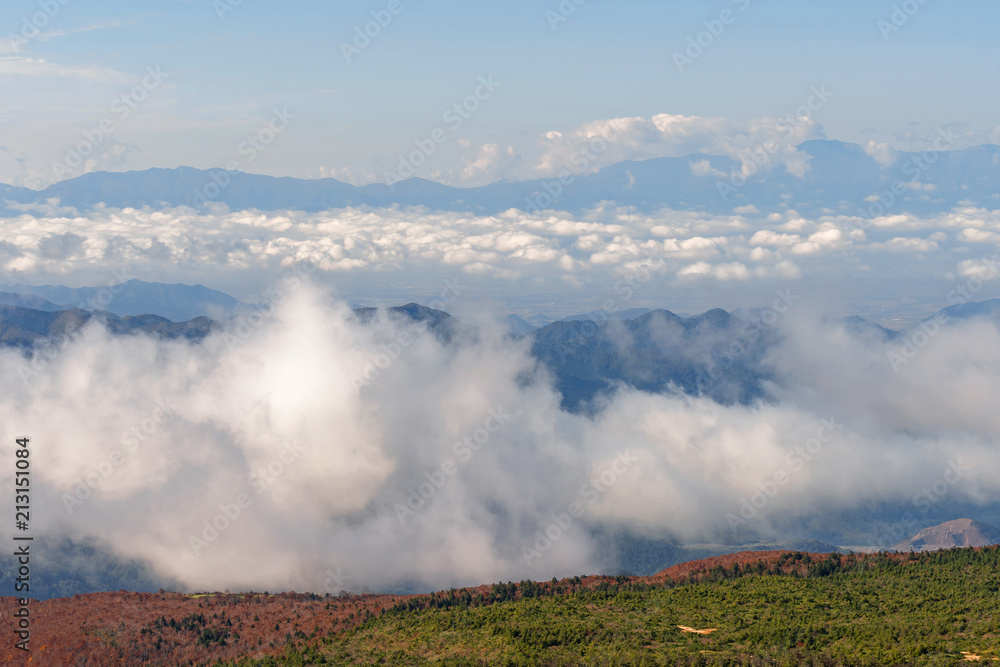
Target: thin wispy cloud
{"x":52,"y":34}
{"x":41,"y":68}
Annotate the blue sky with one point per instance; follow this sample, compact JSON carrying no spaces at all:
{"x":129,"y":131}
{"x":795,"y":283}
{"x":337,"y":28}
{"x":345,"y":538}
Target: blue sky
{"x":225,"y":76}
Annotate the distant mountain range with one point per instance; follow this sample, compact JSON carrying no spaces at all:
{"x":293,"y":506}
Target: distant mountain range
{"x":956,"y":534}
{"x":589,"y":357}
{"x":841,"y":176}
{"x":132,"y":297}
{"x":25,"y":327}
{"x":80,"y":566}
{"x":654,"y":352}
{"x":30,"y":301}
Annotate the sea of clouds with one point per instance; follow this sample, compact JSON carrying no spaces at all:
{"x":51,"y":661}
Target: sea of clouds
{"x":57,"y":244}
{"x":299,"y":448}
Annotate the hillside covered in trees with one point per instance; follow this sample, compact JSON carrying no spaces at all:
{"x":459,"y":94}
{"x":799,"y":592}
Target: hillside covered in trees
{"x":938,"y":608}
{"x":755,"y":608}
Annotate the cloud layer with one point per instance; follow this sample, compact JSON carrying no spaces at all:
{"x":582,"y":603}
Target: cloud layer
{"x":561,"y":250}
{"x":300,"y":442}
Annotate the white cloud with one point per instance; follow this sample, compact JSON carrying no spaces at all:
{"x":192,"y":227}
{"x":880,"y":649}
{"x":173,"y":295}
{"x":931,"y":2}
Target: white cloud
{"x":766,"y":237}
{"x":15,"y":66}
{"x":598,"y":144}
{"x":705,"y":168}
{"x":882,"y":153}
{"x":490,"y":164}
{"x":50,"y":34}
{"x":284,"y":416}
{"x":380,"y":243}
{"x":720,"y":272}
{"x":758,"y":145}
{"x":905,"y":244}
{"x":972,"y":235}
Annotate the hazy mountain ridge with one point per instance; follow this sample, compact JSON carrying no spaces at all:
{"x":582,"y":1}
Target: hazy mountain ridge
{"x":655,"y":352}
{"x":24,"y":327}
{"x":589,"y":356}
{"x":839,"y":178}
{"x":30,"y":301}
{"x":176,"y":302}
{"x":73,"y":567}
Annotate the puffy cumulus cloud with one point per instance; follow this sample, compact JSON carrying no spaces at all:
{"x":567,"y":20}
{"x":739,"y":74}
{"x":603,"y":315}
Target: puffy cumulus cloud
{"x":52,"y":242}
{"x":705,"y":168}
{"x":379,"y":452}
{"x":972,"y":235}
{"x":761,"y":144}
{"x":905,"y":244}
{"x":956,"y":220}
{"x":696,"y":247}
{"x":882,"y":153}
{"x":829,"y":237}
{"x":598,"y":144}
{"x":55,"y":240}
{"x":490,"y":164}
{"x":767,"y":237}
{"x":720,"y":272}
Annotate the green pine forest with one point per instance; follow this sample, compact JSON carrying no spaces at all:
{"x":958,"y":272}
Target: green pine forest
{"x":935,"y":608}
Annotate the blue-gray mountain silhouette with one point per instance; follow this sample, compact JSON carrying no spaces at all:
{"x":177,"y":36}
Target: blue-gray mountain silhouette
{"x":840,"y":177}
